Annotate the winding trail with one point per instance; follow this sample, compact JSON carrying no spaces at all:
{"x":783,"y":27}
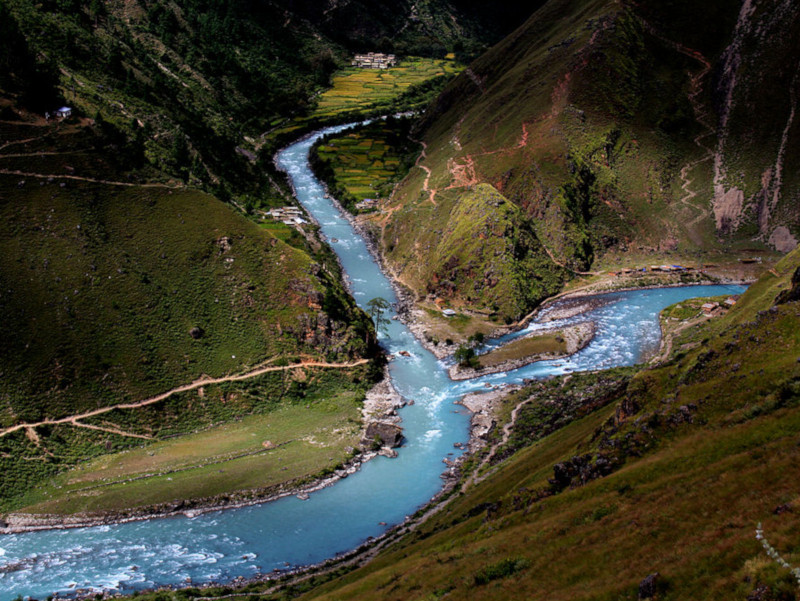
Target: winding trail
{"x":426,"y":184}
{"x":89,"y":179}
{"x":42,"y":154}
{"x":476,"y":477}
{"x":702,"y":117}
{"x":669,"y":337}
{"x":25,"y":141}
{"x":75,"y":420}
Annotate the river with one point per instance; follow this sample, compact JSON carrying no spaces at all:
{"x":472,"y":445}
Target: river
{"x":222,"y":545}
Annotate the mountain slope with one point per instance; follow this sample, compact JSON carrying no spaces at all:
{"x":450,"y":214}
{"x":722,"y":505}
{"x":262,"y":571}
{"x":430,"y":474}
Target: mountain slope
{"x":190,"y":79}
{"x":118,"y":284}
{"x":625,"y":128}
{"x":669,"y":472}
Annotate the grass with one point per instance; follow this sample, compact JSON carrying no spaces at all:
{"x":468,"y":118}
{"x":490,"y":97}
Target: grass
{"x":525,"y":347}
{"x":683,"y":498}
{"x":355,"y":92}
{"x":365,"y":163}
{"x":355,"y":89}
{"x":103,"y":286}
{"x":230,"y":457}
{"x":474,"y":249}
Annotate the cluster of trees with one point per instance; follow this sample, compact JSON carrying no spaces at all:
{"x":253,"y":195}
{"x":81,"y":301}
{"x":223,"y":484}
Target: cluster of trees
{"x":466,"y":354}
{"x":21,"y":71}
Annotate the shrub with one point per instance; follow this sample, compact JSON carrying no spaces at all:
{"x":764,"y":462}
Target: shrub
{"x":465,"y":355}
{"x":501,"y":569}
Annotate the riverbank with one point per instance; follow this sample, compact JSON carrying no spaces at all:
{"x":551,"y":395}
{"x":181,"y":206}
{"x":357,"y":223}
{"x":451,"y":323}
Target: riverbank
{"x":379,"y":407}
{"x":576,"y":337}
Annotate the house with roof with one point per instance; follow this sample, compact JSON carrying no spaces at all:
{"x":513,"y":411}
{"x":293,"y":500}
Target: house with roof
{"x":63,"y":112}
{"x":374,"y":60}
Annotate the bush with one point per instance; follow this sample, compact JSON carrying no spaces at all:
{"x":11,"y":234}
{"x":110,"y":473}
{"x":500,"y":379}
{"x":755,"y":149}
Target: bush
{"x":501,"y":569}
{"x":465,"y":355}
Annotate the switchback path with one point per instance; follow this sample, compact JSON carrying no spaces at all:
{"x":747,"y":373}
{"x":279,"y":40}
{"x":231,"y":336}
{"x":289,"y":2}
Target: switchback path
{"x":702,"y":117}
{"x":426,"y":184}
{"x":75,"y":420}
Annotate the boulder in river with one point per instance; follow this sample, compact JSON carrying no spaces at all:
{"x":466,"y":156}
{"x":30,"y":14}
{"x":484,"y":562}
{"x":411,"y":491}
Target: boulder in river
{"x":389,"y":435}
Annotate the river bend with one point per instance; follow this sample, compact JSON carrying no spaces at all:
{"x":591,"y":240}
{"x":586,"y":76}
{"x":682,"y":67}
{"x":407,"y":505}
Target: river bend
{"x":222,"y":545}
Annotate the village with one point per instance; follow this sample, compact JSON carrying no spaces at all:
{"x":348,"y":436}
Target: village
{"x":374,"y":60}
{"x":292,"y":216}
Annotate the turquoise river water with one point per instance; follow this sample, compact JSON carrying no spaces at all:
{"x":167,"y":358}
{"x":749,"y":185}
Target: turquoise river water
{"x":222,"y":545}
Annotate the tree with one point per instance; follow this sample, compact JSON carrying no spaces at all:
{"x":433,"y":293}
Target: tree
{"x":376,"y":309}
{"x":465,"y":355}
{"x":477,"y":340}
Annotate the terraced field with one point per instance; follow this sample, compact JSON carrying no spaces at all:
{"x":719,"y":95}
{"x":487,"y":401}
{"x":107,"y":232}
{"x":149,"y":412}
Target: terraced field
{"x":357,"y":89}
{"x":366,"y":163}
{"x":411,"y":85}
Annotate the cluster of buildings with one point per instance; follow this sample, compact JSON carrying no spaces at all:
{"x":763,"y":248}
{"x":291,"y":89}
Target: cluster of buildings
{"x":713,"y":308}
{"x":63,"y":113}
{"x":289,"y":215}
{"x":367,"y":204}
{"x":653,"y":268}
{"x":374,"y":60}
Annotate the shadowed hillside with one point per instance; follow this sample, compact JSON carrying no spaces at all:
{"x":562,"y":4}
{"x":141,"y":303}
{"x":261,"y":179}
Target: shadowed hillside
{"x":192,"y":79}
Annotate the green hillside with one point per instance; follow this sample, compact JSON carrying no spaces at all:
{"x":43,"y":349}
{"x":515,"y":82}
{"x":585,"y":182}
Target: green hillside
{"x":118,"y":284}
{"x":193,"y":80}
{"x":607,"y":478}
{"x":619,"y":130}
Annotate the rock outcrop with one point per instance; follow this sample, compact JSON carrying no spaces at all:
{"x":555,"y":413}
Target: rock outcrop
{"x":389,"y":435}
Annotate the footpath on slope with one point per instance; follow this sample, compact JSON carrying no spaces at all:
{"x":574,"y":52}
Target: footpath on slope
{"x":203,"y":381}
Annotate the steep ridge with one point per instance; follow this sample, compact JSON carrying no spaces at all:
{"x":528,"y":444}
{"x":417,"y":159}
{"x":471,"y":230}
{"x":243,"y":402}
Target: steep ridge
{"x":619,"y":128}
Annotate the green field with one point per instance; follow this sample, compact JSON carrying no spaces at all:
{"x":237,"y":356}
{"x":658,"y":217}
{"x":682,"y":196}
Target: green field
{"x":354,"y":92}
{"x":365,"y":163}
{"x":293,"y":441}
{"x":525,"y":347}
{"x":355,"y":89}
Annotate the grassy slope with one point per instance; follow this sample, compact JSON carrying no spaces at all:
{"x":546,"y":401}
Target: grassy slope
{"x":101,"y":284}
{"x":309,"y":434}
{"x":683,"y":500}
{"x":478,"y":248}
{"x":581,"y":118}
{"x":128,"y":274}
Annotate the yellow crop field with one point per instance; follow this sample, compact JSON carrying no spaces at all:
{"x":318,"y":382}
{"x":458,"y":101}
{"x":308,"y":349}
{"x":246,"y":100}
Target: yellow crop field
{"x":356,"y":89}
